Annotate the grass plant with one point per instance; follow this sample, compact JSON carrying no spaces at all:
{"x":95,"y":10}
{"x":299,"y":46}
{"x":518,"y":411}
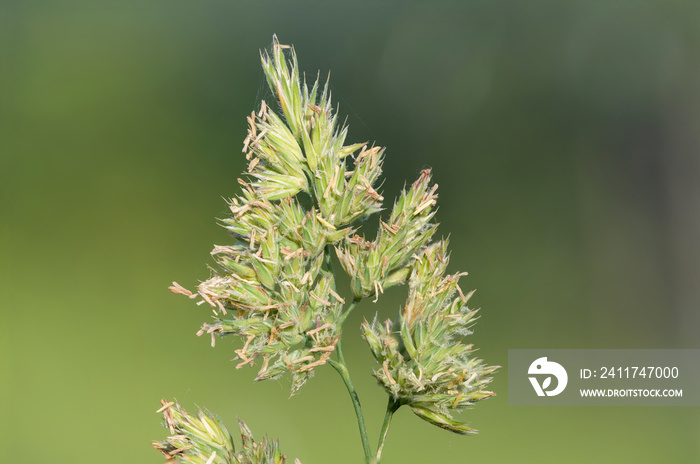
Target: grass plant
{"x":301,"y":202}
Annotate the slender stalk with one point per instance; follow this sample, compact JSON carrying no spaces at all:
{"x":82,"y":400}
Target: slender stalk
{"x":346,"y":313}
{"x":391,"y":407}
{"x":343,"y":371}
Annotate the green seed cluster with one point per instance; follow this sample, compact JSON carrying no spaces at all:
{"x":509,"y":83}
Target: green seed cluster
{"x":423,"y":364}
{"x":304,"y":189}
{"x":203,"y":439}
{"x":376,"y":265}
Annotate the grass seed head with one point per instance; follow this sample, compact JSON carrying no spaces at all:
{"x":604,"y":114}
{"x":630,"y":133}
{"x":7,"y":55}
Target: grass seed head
{"x":203,"y":439}
{"x":423,"y":363}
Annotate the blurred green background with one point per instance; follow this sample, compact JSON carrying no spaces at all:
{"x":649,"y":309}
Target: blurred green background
{"x":564,"y":137}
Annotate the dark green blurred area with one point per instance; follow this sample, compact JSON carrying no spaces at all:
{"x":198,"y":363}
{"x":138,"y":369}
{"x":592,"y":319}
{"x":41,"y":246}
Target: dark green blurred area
{"x":564,"y":137}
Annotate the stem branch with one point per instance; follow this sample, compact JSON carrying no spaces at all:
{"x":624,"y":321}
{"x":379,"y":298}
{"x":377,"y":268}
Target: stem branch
{"x":346,"y":313}
{"x":391,"y":407}
{"x":343,"y":371}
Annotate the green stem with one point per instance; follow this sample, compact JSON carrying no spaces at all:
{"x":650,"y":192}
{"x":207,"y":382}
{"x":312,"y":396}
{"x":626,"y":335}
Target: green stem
{"x":391,"y":407}
{"x":346,"y":313}
{"x":343,"y":371}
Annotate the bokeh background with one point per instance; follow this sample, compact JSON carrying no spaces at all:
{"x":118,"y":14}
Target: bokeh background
{"x":564,"y":137}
